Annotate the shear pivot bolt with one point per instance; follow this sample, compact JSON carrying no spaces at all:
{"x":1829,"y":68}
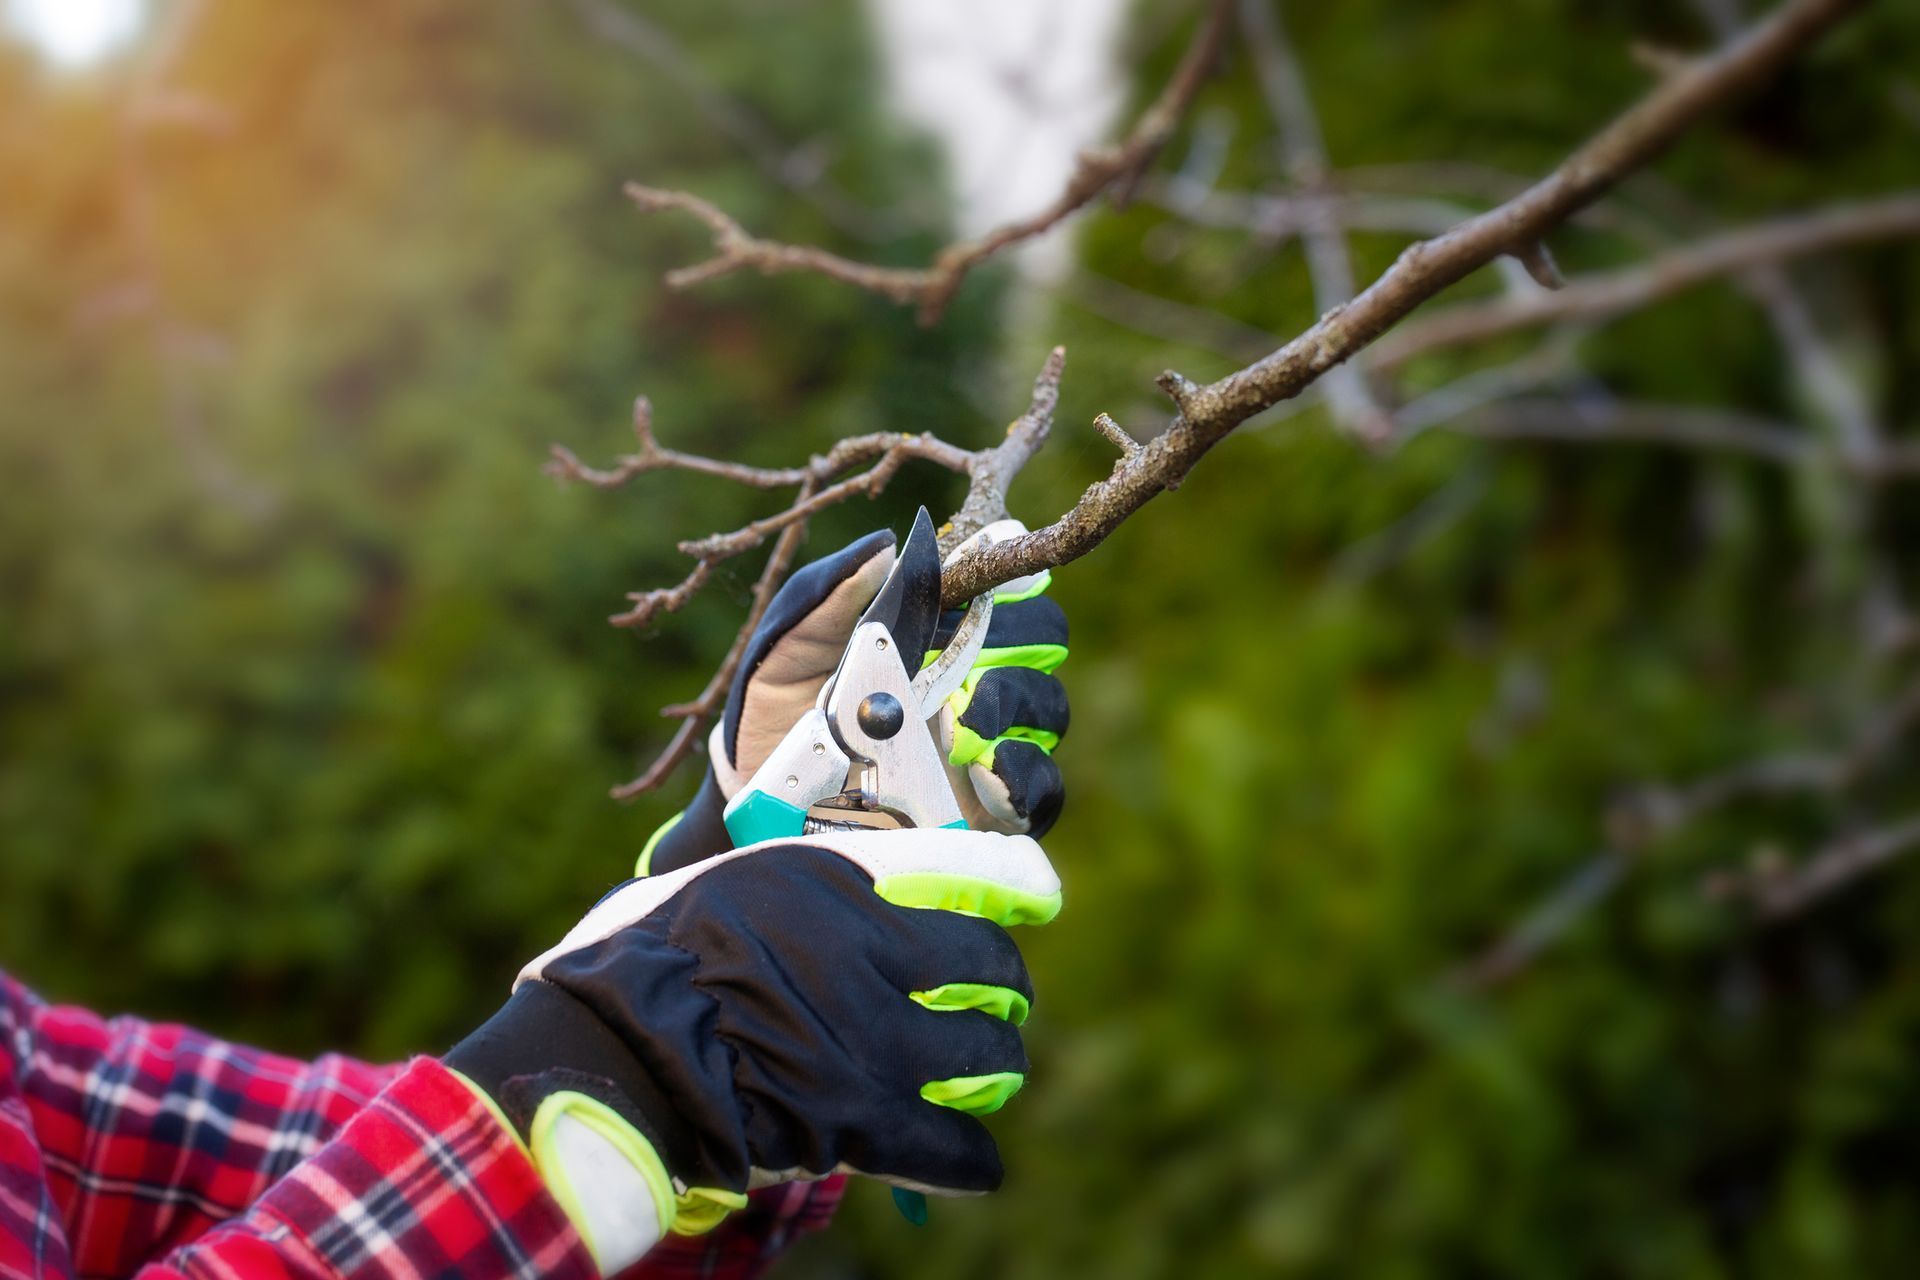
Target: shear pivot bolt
{"x":881,"y":715}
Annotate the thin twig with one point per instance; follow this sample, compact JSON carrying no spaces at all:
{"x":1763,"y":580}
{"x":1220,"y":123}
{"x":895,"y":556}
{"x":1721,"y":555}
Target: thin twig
{"x":822,"y":482}
{"x":695,"y":715}
{"x":1114,"y":168}
{"x":795,"y":168}
{"x":1653,"y":814}
{"x":859,"y":465}
{"x":1550,"y":362}
{"x":1197,"y":328}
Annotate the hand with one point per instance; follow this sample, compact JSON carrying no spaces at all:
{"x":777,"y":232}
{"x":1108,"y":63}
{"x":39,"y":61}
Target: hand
{"x":999,"y":730}
{"x":787,"y":1011}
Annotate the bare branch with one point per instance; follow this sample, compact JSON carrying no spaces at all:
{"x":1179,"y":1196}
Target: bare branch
{"x":1777,"y":891}
{"x":1614,"y":422}
{"x":1838,"y":399}
{"x":1198,"y":328}
{"x":1550,"y":362}
{"x":794,"y":167}
{"x":1303,"y":157}
{"x":1206,"y":414}
{"x":1655,"y":813}
{"x":735,"y":249}
{"x":991,"y":471}
{"x":1422,"y":271}
{"x":651,"y":457}
{"x":694,"y":716}
{"x":859,"y":465}
{"x":1604,"y":296}
{"x":1275,"y":216}
{"x":1114,"y":168}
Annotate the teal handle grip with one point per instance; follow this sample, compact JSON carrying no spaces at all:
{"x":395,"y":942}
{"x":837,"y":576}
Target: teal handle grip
{"x":759,"y":816}
{"x":912,"y":1206}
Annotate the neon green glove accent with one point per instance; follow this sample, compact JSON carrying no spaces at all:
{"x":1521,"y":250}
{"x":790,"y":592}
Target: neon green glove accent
{"x":1003,"y":1003}
{"x":563,"y":1181}
{"x":699,"y":1210}
{"x":968,"y":746}
{"x":493,"y":1108}
{"x":988,"y":899}
{"x":1040,"y":657}
{"x":1038,"y":588}
{"x":644,"y":866}
{"x":975,"y":1095}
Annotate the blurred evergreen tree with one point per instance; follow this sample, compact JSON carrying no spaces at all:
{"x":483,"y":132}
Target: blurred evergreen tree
{"x":309,"y":702}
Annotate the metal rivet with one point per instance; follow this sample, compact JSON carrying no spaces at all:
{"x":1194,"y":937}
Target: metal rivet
{"x":793,"y":780}
{"x":819,"y":748}
{"x":880,"y":642}
{"x":880,"y":715}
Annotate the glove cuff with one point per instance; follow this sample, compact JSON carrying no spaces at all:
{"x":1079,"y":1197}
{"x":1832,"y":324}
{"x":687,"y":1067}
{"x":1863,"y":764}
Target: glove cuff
{"x":545,"y":1041}
{"x":605,"y":1175}
{"x":599,"y":1130}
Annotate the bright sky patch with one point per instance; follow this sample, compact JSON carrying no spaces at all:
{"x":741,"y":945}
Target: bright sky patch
{"x":74,"y":33}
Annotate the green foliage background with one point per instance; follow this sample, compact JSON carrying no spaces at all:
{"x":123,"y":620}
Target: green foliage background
{"x":306,"y":721}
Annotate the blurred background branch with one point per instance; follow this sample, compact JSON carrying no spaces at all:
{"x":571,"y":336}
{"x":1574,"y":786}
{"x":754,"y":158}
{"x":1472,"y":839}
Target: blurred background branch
{"x":1113,"y":169}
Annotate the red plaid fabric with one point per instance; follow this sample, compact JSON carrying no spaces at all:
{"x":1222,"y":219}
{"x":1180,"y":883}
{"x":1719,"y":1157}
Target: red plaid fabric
{"x":128,"y":1148}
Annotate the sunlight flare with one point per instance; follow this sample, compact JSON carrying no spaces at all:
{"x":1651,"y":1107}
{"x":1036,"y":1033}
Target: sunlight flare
{"x":75,"y":33}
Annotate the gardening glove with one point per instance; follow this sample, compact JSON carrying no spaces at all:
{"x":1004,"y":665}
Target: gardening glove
{"x":797,"y":646}
{"x":787,"y":1011}
{"x":999,"y":730}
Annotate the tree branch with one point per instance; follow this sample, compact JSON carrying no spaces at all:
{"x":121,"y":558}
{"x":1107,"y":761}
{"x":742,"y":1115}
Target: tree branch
{"x":1777,"y":891}
{"x":1839,"y":399}
{"x":1685,"y":426}
{"x":1207,"y":414}
{"x":1604,"y":296}
{"x":1655,"y":813}
{"x":1116,"y":168}
{"x":794,"y":168}
{"x":859,"y":465}
{"x":1303,"y":157}
{"x":696,"y":715}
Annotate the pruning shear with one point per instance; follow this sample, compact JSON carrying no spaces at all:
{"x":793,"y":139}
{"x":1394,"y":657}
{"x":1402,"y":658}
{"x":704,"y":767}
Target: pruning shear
{"x":866,"y":754}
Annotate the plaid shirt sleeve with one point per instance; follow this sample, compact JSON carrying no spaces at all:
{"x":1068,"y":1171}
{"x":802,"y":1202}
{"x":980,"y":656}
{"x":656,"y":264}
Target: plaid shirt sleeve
{"x":125,"y":1144}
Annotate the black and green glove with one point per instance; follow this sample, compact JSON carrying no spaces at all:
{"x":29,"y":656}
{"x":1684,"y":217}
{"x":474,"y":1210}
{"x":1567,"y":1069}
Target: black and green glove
{"x":999,"y":729}
{"x":845,"y":1003}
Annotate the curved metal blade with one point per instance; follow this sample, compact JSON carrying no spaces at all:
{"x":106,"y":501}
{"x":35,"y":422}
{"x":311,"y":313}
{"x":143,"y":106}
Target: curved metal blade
{"x":948,"y":672}
{"x":909,"y":601}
